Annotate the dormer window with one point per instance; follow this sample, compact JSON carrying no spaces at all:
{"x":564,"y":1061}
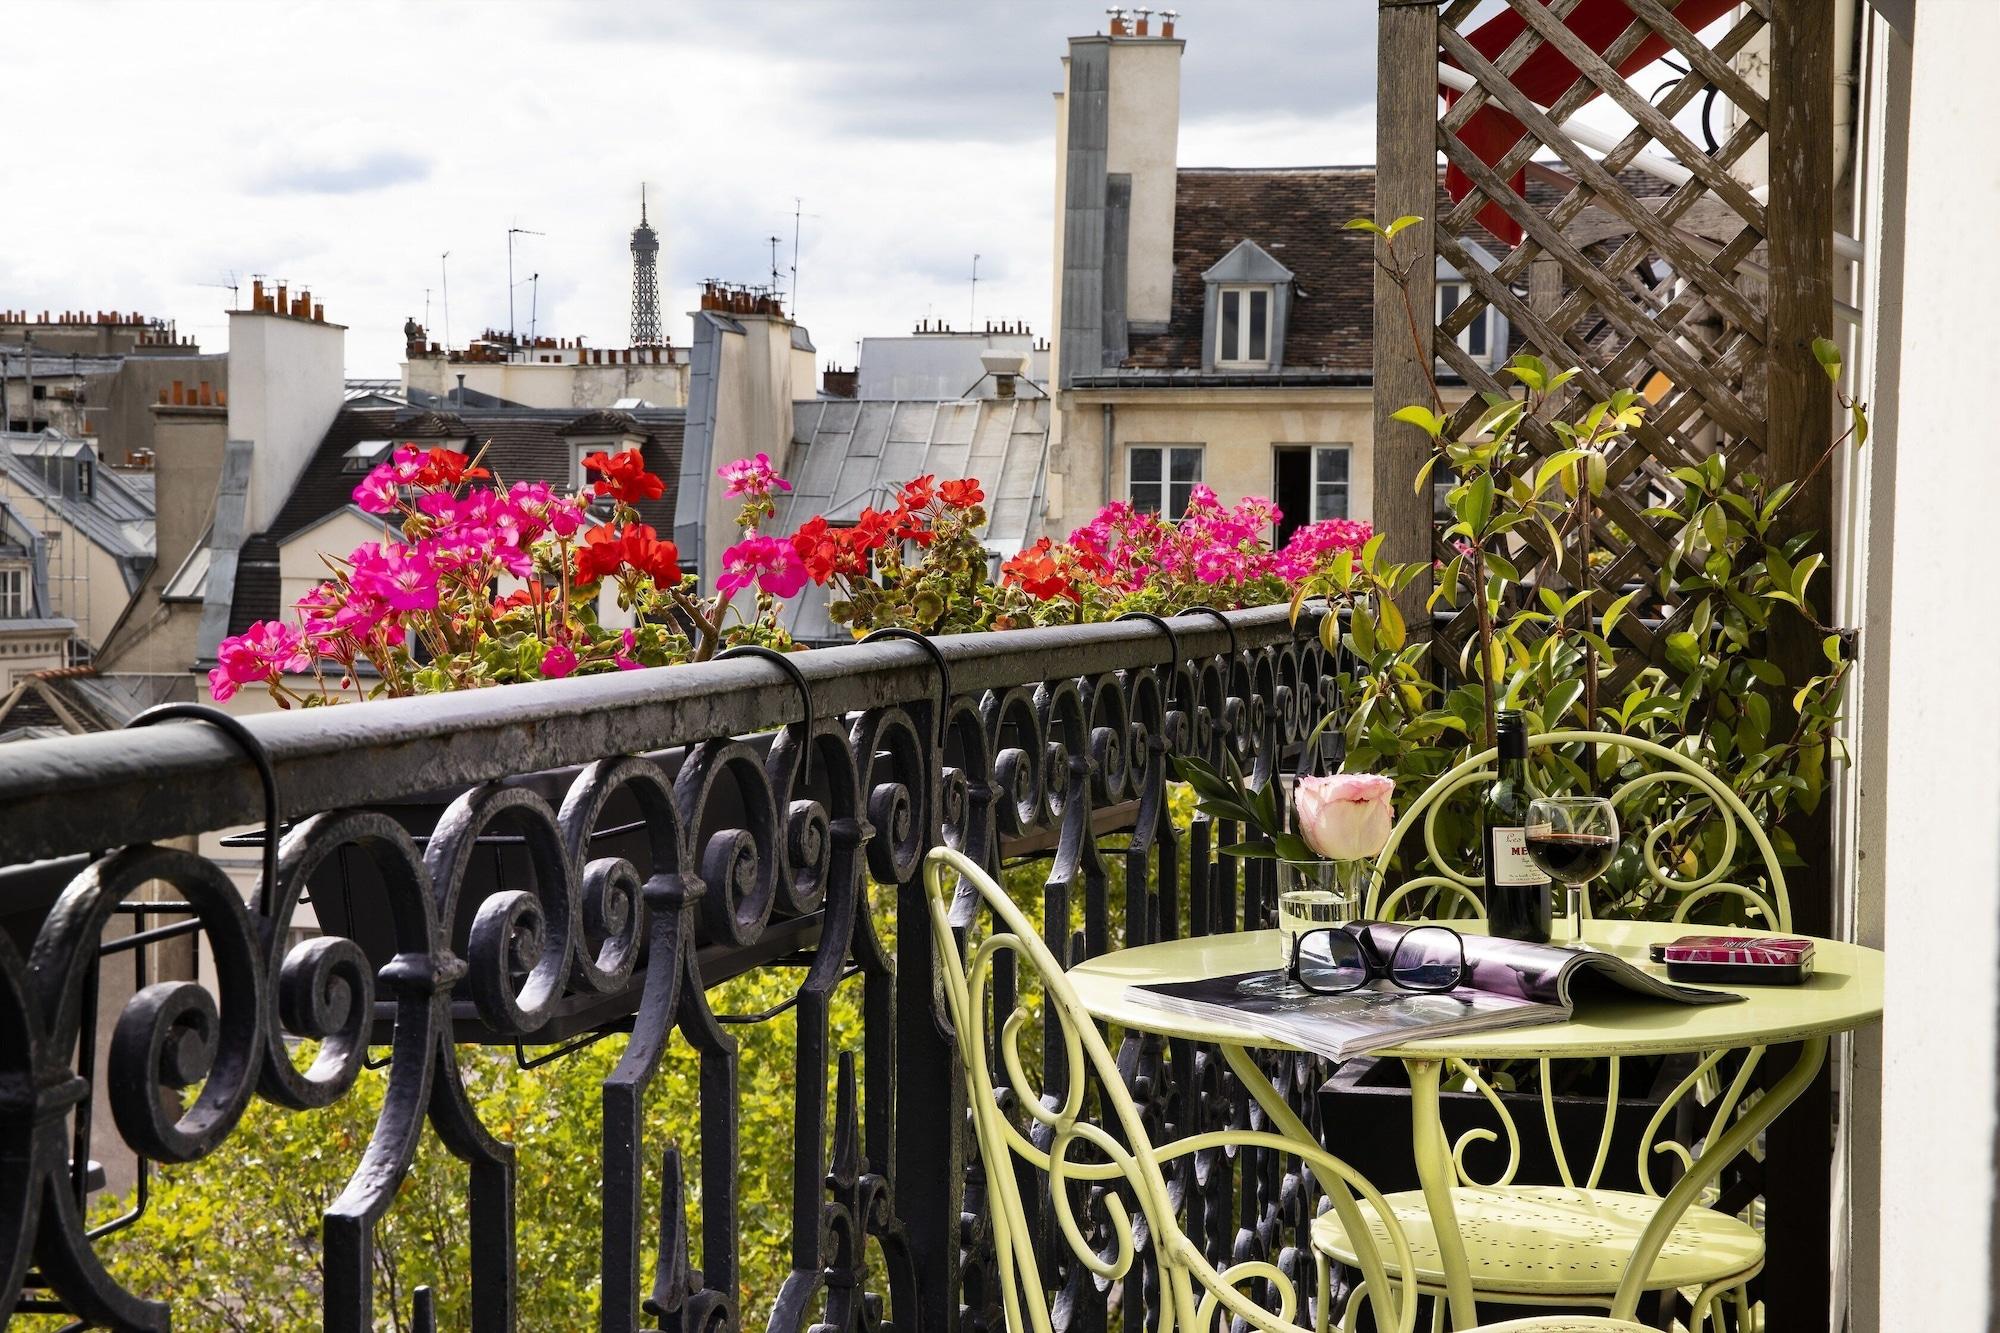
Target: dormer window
{"x":364,"y":456}
{"x":1248,"y":296}
{"x":1478,"y":338}
{"x":1243,"y":328}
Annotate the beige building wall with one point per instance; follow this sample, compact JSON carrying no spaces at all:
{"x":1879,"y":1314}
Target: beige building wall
{"x":286,"y":384}
{"x":753,"y":414}
{"x":157,"y":636}
{"x":1143,"y":140}
{"x":25,"y":652}
{"x":540,"y":384}
{"x":1238,"y":430}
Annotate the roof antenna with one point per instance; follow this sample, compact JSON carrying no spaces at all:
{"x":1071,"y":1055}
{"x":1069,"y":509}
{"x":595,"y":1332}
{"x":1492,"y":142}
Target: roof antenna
{"x":973,"y":309}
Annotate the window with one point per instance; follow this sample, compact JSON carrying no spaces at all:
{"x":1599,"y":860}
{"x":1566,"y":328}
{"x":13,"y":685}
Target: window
{"x":1161,"y":478}
{"x":84,"y":477}
{"x":1243,"y":326}
{"x":14,"y":594}
{"x":364,"y":456}
{"x":1310,"y":483}
{"x":1477,"y":338}
{"x":582,"y":449}
{"x":1329,"y":482}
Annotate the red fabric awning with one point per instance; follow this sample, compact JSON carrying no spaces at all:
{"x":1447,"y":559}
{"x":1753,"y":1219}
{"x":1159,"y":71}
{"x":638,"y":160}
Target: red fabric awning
{"x":1544,"y":77}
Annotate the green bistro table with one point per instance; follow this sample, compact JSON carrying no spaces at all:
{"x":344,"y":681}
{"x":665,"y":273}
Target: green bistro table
{"x":1845,"y":992}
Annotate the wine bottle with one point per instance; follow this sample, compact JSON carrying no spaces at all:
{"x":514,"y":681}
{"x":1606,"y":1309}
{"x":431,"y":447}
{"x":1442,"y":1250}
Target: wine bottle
{"x":1517,"y":891}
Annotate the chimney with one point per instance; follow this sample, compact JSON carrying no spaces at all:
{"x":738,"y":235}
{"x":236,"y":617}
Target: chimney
{"x":838,"y":383}
{"x":287,"y":382}
{"x":1118,"y":28}
{"x":1005,"y":368}
{"x":1167,"y":17}
{"x":1139,"y":29}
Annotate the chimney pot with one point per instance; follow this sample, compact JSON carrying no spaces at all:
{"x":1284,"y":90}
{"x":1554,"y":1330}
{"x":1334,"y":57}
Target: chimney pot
{"x":178,"y":400}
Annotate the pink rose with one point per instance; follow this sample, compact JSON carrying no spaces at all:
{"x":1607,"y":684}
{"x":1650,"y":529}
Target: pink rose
{"x":1347,"y":816}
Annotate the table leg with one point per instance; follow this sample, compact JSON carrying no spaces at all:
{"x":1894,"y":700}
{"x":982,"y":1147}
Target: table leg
{"x":1282,"y":1116}
{"x":1748,"y":1125}
{"x":1435,"y":1170}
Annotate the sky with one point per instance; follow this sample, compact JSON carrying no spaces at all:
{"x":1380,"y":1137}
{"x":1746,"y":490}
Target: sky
{"x":348,"y":147}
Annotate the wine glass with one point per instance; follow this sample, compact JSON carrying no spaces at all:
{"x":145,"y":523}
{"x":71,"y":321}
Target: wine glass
{"x":1573,"y":839}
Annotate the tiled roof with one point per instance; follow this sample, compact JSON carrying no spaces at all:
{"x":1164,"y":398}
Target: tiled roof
{"x":603,"y":421}
{"x":430,"y":425}
{"x":521,"y":444}
{"x":1296,"y":215}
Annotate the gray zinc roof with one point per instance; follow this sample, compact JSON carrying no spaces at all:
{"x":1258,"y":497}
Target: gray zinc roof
{"x":848,"y":455}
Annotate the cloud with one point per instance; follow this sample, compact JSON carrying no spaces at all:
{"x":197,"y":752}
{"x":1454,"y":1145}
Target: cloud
{"x":377,"y":170}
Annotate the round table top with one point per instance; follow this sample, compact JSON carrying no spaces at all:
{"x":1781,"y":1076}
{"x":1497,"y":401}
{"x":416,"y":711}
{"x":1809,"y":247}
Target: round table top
{"x":1845,"y":991}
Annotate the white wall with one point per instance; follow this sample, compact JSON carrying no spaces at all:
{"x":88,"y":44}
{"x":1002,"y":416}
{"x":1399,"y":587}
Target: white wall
{"x":541,"y":384}
{"x":1941,"y":847}
{"x":287,"y":380}
{"x":1144,"y":139}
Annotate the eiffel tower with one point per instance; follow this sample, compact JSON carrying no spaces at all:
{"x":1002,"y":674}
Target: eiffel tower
{"x":645,"y":281}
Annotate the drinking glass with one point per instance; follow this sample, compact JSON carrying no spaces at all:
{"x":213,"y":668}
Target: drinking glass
{"x":1313,"y":895}
{"x":1573,"y":839}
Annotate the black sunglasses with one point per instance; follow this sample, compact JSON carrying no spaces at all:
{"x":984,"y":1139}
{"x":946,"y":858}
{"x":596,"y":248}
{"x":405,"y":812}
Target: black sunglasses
{"x":1333,"y":960}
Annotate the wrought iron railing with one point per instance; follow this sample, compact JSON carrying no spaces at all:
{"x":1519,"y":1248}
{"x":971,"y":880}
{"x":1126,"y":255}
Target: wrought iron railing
{"x":607,"y":849}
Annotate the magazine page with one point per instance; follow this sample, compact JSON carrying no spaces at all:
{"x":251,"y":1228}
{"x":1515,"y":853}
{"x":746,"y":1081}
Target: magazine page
{"x":1546,"y":973}
{"x":1343,"y":1026}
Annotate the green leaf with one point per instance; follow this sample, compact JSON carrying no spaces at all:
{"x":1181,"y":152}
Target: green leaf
{"x":1293,"y":848}
{"x":1479,"y":502}
{"x":1390,"y":627}
{"x":1827,"y":353}
{"x":1400,"y":224}
{"x":1258,"y":851}
{"x":1421,"y":417}
{"x":1362,"y":224}
{"x":1616,"y":610}
{"x":1683,"y":652}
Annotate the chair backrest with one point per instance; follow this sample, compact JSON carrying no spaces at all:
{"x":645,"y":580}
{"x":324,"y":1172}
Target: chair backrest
{"x":1117,"y":1154}
{"x":1710,"y":799}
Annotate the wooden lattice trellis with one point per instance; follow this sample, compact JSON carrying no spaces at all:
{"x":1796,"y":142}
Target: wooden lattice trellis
{"x":1641,"y":282}
{"x":1696,"y":289}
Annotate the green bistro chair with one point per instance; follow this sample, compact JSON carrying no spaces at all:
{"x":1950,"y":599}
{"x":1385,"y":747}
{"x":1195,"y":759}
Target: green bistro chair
{"x":1194,"y":1296}
{"x":1571,"y":1243}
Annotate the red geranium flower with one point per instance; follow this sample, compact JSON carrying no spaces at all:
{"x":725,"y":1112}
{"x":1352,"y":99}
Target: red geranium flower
{"x":873,"y":529}
{"x":534,"y":593}
{"x":919,"y":493}
{"x":447,"y":467}
{"x":625,"y":478}
{"x":607,"y":551}
{"x":961,"y":494}
{"x":1036,"y":570}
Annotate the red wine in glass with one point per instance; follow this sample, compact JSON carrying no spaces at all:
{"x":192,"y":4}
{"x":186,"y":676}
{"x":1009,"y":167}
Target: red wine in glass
{"x":1573,"y":858}
{"x":1572,"y":839}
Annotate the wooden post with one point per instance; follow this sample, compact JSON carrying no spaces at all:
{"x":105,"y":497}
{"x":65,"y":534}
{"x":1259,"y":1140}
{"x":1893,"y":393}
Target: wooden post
{"x":1798,"y":1220}
{"x":1405,"y":185}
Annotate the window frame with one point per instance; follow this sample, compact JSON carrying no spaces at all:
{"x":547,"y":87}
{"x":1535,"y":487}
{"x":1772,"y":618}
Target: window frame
{"x":1488,"y":321}
{"x":1165,"y":482}
{"x":1346,"y":483}
{"x":1244,"y":292}
{"x":17,"y":593}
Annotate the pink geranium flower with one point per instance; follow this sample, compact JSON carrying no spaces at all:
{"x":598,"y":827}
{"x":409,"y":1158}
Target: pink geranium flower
{"x":772,"y":565}
{"x":558,"y":661}
{"x":377,"y":492}
{"x":754,"y":477}
{"x":265,"y":651}
{"x":405,"y":579}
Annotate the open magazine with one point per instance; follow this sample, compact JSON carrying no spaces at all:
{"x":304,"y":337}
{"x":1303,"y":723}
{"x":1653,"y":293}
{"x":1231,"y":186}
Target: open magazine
{"x":1507,"y":984}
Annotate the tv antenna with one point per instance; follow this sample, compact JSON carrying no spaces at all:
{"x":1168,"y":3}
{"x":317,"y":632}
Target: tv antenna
{"x":512,"y":232}
{"x":232,"y":285}
{"x":534,"y":301}
{"x":774,"y":240}
{"x":973,"y":309}
{"x":444,"y":293}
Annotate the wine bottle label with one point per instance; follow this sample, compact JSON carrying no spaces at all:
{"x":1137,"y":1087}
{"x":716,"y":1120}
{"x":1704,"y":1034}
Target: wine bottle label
{"x":1510,"y":865}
